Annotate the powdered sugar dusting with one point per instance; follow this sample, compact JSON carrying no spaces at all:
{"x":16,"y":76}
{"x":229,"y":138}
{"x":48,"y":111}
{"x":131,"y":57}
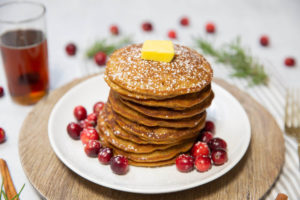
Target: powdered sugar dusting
{"x":188,"y":72}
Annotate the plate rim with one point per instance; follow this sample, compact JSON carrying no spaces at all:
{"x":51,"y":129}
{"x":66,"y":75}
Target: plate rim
{"x":133,"y":190}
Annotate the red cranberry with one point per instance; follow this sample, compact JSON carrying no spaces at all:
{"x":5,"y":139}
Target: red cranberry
{"x":87,"y":124}
{"x":1,"y":91}
{"x":114,"y":30}
{"x":172,"y":34}
{"x":290,"y":62}
{"x":105,"y":155}
{"x":264,"y":40}
{"x":100,"y":58}
{"x":185,"y":163}
{"x":2,"y":135}
{"x":209,"y":126}
{"x":200,"y":149}
{"x":88,"y":134}
{"x":71,"y":49}
{"x":219,"y":157}
{"x":147,"y":26}
{"x":217,"y":143}
{"x":98,"y":107}
{"x":203,"y":163}
{"x":184,"y":21}
{"x":74,"y":130}
{"x":205,"y":136}
{"x":80,"y":113}
{"x":119,"y":164}
{"x":210,"y":28}
{"x":92,"y":118}
{"x":92,"y":148}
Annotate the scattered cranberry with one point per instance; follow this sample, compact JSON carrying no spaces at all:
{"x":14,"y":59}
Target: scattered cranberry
{"x":205,"y":136}
{"x":210,"y":28}
{"x":147,"y":26}
{"x":219,"y":157}
{"x":105,"y":155}
{"x":209,"y":126}
{"x":290,"y":62}
{"x":119,"y":164}
{"x":185,"y":163}
{"x":2,"y":135}
{"x":172,"y":34}
{"x":87,"y":124}
{"x":217,"y":143}
{"x":74,"y":130}
{"x":264,"y":40}
{"x":98,"y":107}
{"x":1,"y":91}
{"x":100,"y":58}
{"x":88,"y":134}
{"x":80,"y":113}
{"x":200,"y":149}
{"x":92,"y":148}
{"x":71,"y":49}
{"x":184,"y":21}
{"x":203,"y":163}
{"x":92,"y":118}
{"x":114,"y":30}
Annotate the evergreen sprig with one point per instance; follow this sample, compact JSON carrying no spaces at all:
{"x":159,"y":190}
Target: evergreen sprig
{"x":241,"y":61}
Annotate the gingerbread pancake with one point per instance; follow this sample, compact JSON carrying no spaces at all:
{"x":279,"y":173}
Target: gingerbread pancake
{"x":131,"y":114}
{"x":180,"y":102}
{"x":167,"y":113}
{"x":188,"y":72}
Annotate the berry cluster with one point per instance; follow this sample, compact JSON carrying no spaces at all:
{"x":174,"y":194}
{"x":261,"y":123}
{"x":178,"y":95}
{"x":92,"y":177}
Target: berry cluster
{"x":84,"y":129}
{"x":205,"y":152}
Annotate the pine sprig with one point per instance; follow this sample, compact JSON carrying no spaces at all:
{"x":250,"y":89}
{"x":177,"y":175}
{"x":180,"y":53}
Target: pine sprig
{"x":234,"y":55}
{"x":106,"y":47}
{"x":3,"y":194}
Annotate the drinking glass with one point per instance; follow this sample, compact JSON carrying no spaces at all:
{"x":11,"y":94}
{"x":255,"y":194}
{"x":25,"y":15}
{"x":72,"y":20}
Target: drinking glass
{"x":23,"y":46}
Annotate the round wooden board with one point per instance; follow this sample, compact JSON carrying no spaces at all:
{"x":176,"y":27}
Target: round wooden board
{"x":251,"y":178}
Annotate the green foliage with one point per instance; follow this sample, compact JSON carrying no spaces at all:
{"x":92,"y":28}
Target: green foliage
{"x":234,"y":55}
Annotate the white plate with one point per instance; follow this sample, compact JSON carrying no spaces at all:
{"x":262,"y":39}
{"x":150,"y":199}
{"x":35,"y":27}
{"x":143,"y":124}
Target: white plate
{"x":232,"y":124}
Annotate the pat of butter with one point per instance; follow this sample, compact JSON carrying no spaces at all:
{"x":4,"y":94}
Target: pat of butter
{"x":158,"y":50}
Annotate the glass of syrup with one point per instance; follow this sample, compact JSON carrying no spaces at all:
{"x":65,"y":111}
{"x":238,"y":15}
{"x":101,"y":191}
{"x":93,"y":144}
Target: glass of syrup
{"x":23,"y":45}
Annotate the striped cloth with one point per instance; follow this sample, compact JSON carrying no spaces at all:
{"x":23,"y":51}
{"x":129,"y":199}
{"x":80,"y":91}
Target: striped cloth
{"x":272,"y":97}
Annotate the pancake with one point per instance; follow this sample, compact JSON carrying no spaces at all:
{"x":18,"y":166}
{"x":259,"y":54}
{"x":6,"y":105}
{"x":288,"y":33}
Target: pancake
{"x":155,"y":156}
{"x":127,"y":145}
{"x":153,"y":164}
{"x":158,"y":135}
{"x":188,"y":72}
{"x":166,"y":113}
{"x":177,"y":103}
{"x":131,"y":114}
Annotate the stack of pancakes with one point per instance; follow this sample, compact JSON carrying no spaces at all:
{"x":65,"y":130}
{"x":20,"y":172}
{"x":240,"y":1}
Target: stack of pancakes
{"x":155,"y":110}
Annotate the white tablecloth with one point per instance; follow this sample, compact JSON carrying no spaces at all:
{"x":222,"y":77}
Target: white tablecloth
{"x":84,"y":21}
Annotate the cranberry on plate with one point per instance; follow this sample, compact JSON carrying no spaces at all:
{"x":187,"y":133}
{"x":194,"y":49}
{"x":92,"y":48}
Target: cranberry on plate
{"x":98,"y":107}
{"x":185,"y":163}
{"x":92,"y":118}
{"x":74,"y":130}
{"x":203,"y":163}
{"x":209,"y":126}
{"x":80,"y":113}
{"x":219,"y":156}
{"x":88,"y":134}
{"x":105,"y":155}
{"x":217,"y":143}
{"x":200,"y":149}
{"x":119,"y":165}
{"x":205,"y":136}
{"x":92,"y":148}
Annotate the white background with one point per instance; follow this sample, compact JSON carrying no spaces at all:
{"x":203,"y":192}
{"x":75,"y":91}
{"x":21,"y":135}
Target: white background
{"x":83,"y":21}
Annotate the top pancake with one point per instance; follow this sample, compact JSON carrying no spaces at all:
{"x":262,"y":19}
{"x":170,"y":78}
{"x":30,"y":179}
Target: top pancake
{"x":188,"y":72}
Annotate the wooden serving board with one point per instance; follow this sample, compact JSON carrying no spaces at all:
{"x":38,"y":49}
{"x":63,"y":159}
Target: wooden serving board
{"x":251,"y":178}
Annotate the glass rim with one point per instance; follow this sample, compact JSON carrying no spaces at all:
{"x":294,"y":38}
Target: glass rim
{"x":29,"y":19}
